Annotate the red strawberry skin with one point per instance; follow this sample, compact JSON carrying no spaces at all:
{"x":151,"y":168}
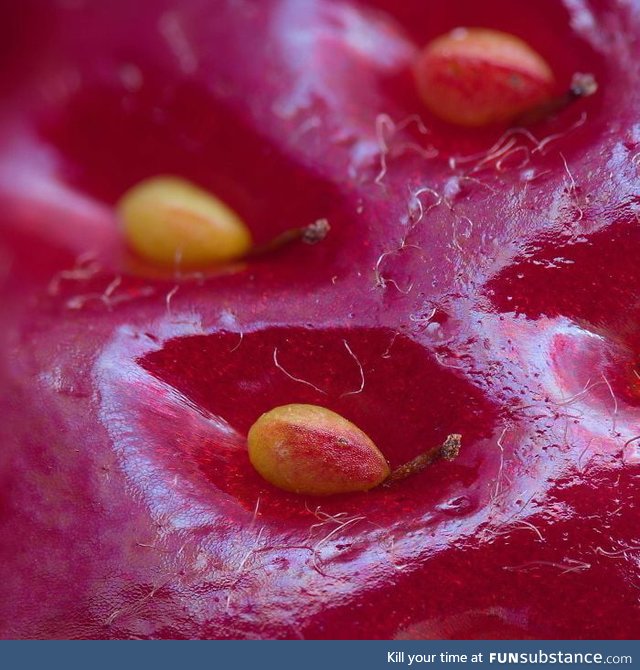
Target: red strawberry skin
{"x":460,"y":290}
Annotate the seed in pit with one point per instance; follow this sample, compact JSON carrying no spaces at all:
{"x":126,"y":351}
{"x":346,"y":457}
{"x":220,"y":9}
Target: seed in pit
{"x":169,"y":221}
{"x":312,"y":450}
{"x":479,"y":77}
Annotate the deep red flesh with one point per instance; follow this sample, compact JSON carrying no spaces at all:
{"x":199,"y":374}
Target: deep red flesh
{"x":511,"y":315}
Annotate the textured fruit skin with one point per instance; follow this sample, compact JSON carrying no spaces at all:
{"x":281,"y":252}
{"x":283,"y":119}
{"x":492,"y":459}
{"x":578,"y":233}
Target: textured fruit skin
{"x":477,"y":77}
{"x":311,"y":450}
{"x":128,"y":508}
{"x":170,"y":222}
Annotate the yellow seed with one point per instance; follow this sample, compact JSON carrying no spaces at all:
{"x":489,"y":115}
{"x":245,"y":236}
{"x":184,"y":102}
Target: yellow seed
{"x":169,"y":221}
{"x":311,"y":450}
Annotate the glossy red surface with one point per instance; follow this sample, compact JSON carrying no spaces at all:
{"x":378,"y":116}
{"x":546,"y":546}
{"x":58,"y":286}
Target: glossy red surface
{"x":488,"y":293}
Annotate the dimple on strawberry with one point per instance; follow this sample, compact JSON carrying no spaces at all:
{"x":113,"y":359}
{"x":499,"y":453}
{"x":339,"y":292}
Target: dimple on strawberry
{"x":465,"y":280}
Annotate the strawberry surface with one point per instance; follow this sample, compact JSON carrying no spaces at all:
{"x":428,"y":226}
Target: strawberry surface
{"x":474,"y":281}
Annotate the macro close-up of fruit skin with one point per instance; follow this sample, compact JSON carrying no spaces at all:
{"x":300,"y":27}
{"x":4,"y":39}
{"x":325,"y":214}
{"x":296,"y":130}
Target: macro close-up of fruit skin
{"x":476,"y":275}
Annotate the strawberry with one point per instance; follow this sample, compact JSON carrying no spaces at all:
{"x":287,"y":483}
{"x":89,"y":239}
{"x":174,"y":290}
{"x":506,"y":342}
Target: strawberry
{"x":478,"y":281}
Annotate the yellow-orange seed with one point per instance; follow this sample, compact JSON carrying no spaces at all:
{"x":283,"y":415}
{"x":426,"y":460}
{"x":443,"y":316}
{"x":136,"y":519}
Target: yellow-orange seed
{"x":311,"y":450}
{"x":170,"y":221}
